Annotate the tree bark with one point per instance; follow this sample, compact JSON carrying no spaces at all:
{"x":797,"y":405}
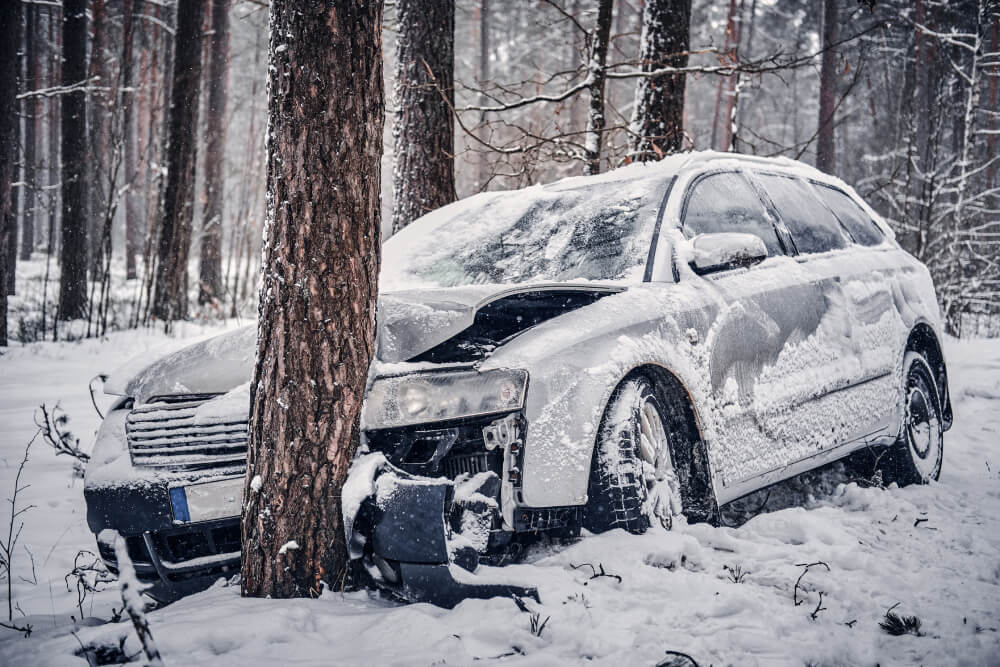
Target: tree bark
{"x":73,"y":250}
{"x":317,"y":296}
{"x":174,"y":243}
{"x":10,"y":25}
{"x":32,"y":113}
{"x":130,"y":108}
{"x":483,"y":166}
{"x":423,"y":135}
{"x":53,"y":157}
{"x":658,"y":112}
{"x":598,"y":59}
{"x":12,"y":215}
{"x":210,"y":262}
{"x":99,"y":111}
{"x":826,"y":157}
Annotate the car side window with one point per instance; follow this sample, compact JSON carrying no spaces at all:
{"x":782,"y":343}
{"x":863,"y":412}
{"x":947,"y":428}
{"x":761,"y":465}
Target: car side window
{"x":725,"y":202}
{"x":812,"y":226}
{"x":862,"y":227}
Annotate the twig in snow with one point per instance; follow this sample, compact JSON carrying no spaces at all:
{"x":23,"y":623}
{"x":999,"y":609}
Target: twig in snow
{"x":26,"y":628}
{"x":851,"y":624}
{"x":537,"y":625}
{"x":133,"y":603}
{"x":919,"y":521}
{"x":61,"y":441}
{"x":897,"y":625}
{"x":677,"y":659}
{"x":597,"y":572}
{"x":90,"y":575}
{"x":798,"y":582}
{"x":8,"y":545}
{"x":819,"y":607}
{"x":736,"y":573}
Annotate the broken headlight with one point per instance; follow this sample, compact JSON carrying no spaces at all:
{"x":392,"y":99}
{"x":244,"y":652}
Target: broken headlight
{"x":432,"y":397}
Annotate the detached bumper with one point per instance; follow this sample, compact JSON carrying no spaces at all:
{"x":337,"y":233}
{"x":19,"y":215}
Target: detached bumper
{"x":404,"y":533}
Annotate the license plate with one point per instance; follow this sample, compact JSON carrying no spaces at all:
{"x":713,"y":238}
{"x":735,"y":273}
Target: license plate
{"x":204,"y":502}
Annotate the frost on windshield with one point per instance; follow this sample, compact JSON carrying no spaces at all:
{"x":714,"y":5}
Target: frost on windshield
{"x":561,"y":232}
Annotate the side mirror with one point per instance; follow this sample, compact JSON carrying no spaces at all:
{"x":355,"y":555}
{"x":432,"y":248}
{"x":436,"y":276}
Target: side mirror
{"x":726,"y":250}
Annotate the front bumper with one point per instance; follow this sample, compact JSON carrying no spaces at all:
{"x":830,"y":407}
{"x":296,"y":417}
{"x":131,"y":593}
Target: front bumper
{"x":173,"y":559}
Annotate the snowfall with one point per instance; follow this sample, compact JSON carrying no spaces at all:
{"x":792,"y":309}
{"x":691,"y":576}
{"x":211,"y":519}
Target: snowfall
{"x":722,"y":595}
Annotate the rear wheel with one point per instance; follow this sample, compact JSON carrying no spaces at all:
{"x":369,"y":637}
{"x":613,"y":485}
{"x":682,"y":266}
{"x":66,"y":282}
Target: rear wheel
{"x":916,"y":457}
{"x":632,"y":479}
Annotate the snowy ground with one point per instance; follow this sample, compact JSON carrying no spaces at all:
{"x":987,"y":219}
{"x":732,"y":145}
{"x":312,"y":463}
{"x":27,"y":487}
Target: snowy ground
{"x":934,"y":550}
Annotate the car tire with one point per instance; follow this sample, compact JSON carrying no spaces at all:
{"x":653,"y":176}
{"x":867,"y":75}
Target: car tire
{"x":916,"y":456}
{"x":632,"y":480}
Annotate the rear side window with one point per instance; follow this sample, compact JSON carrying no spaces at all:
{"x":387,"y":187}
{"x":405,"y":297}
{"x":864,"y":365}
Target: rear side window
{"x":811,"y":225}
{"x":861,"y":226}
{"x":725,"y":202}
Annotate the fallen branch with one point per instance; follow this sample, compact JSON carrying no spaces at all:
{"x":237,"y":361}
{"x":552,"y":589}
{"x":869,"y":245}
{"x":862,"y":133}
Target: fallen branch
{"x":798,"y":582}
{"x":597,"y":572}
{"x":133,"y":603}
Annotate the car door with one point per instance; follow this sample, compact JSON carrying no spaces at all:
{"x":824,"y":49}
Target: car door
{"x":766,"y":313}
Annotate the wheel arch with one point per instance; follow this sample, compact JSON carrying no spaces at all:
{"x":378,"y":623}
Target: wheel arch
{"x":690,"y":458}
{"x":922,"y":339}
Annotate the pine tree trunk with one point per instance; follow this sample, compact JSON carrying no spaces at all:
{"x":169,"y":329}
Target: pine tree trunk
{"x":74,"y":224}
{"x":595,"y":116}
{"x":97,"y":168}
{"x":658,"y":111}
{"x":826,"y":158}
{"x":13,"y":213}
{"x":53,"y":155}
{"x":317,"y":324}
{"x":130,"y":108}
{"x":423,"y":173}
{"x":174,"y":243}
{"x":210,"y":264}
{"x":483,"y":165}
{"x":32,"y":111}
{"x":10,"y":25}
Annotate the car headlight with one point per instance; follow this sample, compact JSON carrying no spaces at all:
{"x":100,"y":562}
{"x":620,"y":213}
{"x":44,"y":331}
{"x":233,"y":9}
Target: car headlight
{"x":431,"y":397}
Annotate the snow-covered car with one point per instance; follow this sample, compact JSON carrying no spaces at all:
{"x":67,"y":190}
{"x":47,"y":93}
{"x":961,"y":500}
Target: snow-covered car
{"x":603,"y":352}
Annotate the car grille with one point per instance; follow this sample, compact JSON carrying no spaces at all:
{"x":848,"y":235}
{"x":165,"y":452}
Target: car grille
{"x":163,"y":434}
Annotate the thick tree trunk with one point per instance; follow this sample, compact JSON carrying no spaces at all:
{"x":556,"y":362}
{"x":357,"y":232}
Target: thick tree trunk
{"x":826,"y":157}
{"x":174,"y":243}
{"x":73,"y":250}
{"x":595,"y":115}
{"x":32,"y":112}
{"x":658,"y":112}
{"x":317,"y":324}
{"x":423,"y":172}
{"x":10,"y":25}
{"x":13,"y":213}
{"x":210,"y":261}
{"x":97,"y":167}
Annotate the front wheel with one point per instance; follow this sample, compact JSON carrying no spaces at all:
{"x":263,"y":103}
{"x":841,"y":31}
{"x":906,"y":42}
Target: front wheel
{"x":916,"y":457}
{"x":632,"y":479}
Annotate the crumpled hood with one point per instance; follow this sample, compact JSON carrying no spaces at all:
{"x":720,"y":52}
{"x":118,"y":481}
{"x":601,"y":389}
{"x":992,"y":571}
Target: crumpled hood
{"x":414,"y":321}
{"x":410,"y":323}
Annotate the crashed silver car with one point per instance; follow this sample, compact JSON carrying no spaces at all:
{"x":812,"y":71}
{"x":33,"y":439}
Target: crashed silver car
{"x":617,"y":351}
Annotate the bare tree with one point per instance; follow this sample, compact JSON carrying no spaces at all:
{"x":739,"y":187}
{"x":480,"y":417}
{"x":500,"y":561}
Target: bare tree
{"x":32,"y":117}
{"x":825,"y":145}
{"x":210,"y":261}
{"x":174,"y":244}
{"x":317,"y":325}
{"x":596,"y":75}
{"x":423,"y":95}
{"x":10,"y":24}
{"x":99,"y":112}
{"x":658,"y":112}
{"x":73,"y":251}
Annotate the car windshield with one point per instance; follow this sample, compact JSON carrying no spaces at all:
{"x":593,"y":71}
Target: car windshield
{"x":562,"y":232}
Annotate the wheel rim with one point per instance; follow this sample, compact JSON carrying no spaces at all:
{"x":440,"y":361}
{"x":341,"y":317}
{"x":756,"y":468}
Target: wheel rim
{"x":923,"y":431}
{"x":659,"y":479}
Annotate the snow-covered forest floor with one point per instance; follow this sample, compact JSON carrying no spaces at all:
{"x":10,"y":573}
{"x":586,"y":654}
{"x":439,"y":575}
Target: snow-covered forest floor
{"x":722,"y":595}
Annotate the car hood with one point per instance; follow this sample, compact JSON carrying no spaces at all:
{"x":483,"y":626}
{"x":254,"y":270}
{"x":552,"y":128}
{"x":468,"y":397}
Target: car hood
{"x":410,"y":323}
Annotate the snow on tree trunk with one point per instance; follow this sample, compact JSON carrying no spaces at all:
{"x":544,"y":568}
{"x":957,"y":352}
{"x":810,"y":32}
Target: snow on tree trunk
{"x":10,"y":24}
{"x":423,"y":170}
{"x":317,"y":296}
{"x":174,"y":244}
{"x":73,"y":251}
{"x":825,"y":147}
{"x":658,"y":112}
{"x":596,"y":77}
{"x":210,"y":261}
